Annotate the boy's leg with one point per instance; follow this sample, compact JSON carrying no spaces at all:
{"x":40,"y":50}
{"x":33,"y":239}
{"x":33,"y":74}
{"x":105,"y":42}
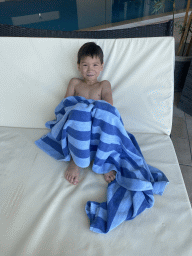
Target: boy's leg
{"x":72,"y":173}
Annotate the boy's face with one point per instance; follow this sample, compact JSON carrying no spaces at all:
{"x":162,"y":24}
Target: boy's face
{"x":90,"y":68}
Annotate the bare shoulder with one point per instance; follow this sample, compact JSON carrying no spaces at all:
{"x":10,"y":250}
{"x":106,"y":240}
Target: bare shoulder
{"x":71,"y":87}
{"x":74,"y":81}
{"x":105,"y":84}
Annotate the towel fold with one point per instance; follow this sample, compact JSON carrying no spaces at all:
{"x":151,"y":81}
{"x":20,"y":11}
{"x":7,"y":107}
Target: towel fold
{"x":87,"y":130}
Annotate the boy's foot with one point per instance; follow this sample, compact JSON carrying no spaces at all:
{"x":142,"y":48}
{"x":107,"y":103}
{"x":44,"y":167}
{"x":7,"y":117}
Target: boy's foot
{"x":110,"y":176}
{"x":72,"y":173}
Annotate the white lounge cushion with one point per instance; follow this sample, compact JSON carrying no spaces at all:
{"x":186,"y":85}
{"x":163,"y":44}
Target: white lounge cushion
{"x":35,"y":73}
{"x":42,"y":214}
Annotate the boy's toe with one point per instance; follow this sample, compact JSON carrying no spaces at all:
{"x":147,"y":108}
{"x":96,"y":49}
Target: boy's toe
{"x":108,"y":181}
{"x":75,"y":180}
{"x":71,"y":179}
{"x":110,"y":178}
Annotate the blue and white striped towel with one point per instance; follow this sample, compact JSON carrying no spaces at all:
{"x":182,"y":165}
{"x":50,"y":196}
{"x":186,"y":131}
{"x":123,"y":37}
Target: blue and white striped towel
{"x":93,"y":130}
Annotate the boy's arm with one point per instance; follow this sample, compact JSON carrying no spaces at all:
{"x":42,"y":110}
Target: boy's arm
{"x":71,"y":88}
{"x":106,"y":93}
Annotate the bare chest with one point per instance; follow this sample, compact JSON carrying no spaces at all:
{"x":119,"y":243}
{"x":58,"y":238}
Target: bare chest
{"x":89,"y":92}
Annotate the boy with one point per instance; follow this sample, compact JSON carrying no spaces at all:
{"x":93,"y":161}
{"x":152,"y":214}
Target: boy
{"x":90,"y":64}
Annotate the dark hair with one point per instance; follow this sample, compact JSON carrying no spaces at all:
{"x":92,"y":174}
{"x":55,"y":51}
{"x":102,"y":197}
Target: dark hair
{"x":90,"y":49}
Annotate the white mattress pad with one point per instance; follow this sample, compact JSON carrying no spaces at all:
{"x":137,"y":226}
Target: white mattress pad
{"x":42,"y":214}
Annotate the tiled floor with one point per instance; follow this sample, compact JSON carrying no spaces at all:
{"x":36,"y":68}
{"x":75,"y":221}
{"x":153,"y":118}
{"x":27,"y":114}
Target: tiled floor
{"x":181,"y":136}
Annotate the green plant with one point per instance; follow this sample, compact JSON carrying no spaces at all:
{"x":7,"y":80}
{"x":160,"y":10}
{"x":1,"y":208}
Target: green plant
{"x":159,"y":5}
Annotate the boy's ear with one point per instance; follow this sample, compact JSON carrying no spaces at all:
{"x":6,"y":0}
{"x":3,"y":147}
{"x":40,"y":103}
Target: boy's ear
{"x":102,"y":67}
{"x":78,"y":66}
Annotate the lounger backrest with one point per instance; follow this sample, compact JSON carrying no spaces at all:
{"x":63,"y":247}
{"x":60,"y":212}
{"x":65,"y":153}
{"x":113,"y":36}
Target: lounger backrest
{"x":35,"y":73}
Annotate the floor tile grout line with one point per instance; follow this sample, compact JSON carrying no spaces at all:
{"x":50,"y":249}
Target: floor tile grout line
{"x":188,"y":137}
{"x":186,"y":165}
{"x":187,"y":132}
